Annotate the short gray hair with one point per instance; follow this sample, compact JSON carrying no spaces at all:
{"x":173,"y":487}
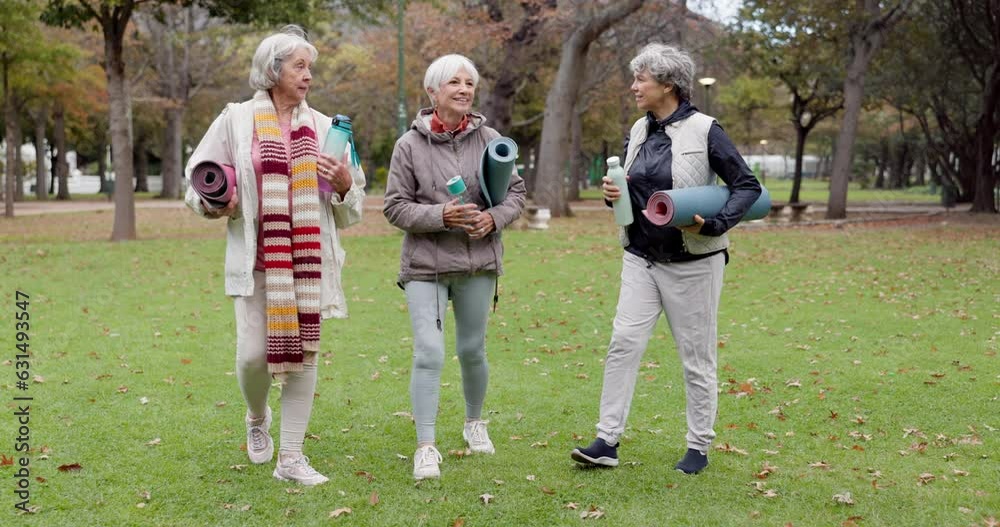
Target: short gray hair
{"x":265,"y":69}
{"x":444,"y":68}
{"x":667,"y":65}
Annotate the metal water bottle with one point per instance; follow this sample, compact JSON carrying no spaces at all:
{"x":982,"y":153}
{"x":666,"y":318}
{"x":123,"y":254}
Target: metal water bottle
{"x":623,"y":205}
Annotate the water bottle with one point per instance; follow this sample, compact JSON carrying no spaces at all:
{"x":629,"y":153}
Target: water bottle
{"x":623,"y":205}
{"x":336,"y":143}
{"x":456,"y":187}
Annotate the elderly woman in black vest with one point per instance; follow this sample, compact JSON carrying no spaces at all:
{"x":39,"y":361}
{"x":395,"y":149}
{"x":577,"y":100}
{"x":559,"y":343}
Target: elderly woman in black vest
{"x":665,"y":269}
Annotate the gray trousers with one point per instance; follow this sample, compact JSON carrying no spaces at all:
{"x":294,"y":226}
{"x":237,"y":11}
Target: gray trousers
{"x":689,"y":294}
{"x":427,"y":301}
{"x":255,"y":381}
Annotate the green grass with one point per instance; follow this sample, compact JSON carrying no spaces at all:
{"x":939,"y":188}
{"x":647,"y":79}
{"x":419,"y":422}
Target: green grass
{"x":817,"y":191}
{"x":834,"y":343}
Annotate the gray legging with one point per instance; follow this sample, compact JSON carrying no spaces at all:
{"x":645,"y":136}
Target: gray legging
{"x":255,"y":381}
{"x":427,"y":302}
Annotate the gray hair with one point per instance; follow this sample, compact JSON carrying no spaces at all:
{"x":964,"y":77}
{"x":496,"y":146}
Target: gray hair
{"x":444,"y":68}
{"x":265,"y":69}
{"x":667,"y":65}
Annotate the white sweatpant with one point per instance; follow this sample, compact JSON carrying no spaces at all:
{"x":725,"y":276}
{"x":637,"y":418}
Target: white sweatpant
{"x":689,"y":293}
{"x":255,"y":381}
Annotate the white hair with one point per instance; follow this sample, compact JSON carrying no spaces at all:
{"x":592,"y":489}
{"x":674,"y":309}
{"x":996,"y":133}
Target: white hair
{"x":265,"y":69}
{"x":444,"y":68}
{"x":667,"y":65}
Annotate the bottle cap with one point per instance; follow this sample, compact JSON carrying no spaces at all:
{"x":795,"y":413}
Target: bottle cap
{"x":613,"y":161}
{"x":342,"y":121}
{"x":456,"y":185}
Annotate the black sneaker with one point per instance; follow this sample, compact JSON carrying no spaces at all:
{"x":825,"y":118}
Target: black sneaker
{"x":694,"y":462}
{"x":599,"y":453}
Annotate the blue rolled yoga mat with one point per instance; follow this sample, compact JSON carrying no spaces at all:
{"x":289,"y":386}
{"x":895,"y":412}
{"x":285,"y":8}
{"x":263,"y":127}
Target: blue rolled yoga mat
{"x":677,"y":207}
{"x":496,"y":169}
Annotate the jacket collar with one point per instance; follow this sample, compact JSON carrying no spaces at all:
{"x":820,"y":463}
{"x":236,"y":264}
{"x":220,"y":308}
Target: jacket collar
{"x":422,"y":124}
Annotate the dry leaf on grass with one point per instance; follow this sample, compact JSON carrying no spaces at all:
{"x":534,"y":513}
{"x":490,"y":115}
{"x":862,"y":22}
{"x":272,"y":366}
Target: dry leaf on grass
{"x":844,"y":498}
{"x":340,"y":512}
{"x":70,"y":467}
{"x":592,"y":513}
{"x":373,"y":499}
{"x":486,"y":498}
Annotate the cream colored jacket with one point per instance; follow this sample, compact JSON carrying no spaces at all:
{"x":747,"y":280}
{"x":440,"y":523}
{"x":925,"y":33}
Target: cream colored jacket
{"x":228,"y":141}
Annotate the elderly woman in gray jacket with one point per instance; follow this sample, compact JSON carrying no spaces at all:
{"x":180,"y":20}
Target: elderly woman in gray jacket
{"x":451,"y":249}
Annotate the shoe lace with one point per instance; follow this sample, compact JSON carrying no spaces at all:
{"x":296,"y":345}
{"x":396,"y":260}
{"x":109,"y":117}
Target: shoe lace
{"x":258,"y":440}
{"x":428,"y":455}
{"x":477,"y":432}
{"x":303,"y":465}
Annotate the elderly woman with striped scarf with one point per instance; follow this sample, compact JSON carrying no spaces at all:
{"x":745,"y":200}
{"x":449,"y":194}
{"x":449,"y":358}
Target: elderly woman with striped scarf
{"x":283,"y":255}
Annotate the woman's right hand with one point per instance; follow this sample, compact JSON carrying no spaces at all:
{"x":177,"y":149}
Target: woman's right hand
{"x":462,"y":216}
{"x":611,"y":191}
{"x":228,"y":210}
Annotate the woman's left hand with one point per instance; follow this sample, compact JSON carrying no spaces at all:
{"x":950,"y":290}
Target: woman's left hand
{"x":482,"y":226}
{"x":336,"y":171}
{"x":696,"y":228}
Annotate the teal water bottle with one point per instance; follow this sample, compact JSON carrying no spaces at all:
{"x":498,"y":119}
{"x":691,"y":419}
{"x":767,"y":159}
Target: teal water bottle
{"x":623,"y":205}
{"x":337,"y":139}
{"x":456,"y":187}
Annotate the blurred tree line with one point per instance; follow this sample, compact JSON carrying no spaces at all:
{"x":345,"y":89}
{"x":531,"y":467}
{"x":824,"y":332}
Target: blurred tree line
{"x":889,"y":94}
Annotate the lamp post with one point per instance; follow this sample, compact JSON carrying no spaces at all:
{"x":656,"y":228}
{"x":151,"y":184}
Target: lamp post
{"x":707,"y":82}
{"x":763,"y":161}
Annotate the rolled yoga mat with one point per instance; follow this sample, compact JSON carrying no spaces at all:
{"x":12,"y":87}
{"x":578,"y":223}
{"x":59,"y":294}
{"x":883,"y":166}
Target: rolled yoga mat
{"x":677,"y":207}
{"x":215,"y":183}
{"x":496,"y":169}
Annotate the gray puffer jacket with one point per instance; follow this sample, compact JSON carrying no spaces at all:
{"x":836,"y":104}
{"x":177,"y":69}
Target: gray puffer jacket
{"x":416,"y":193}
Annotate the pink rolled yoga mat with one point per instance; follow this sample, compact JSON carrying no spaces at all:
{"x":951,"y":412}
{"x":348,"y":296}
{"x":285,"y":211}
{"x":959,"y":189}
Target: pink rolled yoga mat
{"x":215,"y":183}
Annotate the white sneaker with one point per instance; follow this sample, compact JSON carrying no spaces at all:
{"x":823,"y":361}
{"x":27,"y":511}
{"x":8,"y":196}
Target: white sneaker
{"x":476,"y":437}
{"x":299,"y":471}
{"x":260,"y":447}
{"x":425,"y":463}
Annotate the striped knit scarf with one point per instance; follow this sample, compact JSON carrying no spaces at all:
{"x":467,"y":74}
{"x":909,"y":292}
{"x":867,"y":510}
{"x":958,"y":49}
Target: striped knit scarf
{"x":292,"y":254}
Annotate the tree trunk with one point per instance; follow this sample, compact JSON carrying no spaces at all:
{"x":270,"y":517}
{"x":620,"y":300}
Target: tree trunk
{"x":10,"y":118}
{"x":18,"y":162}
{"x":59,"y":143}
{"x":41,"y":182}
{"x":498,"y":105}
{"x":800,"y":148}
{"x":560,"y":102}
{"x":172,"y":159}
{"x":102,"y":162}
{"x":986,"y":132}
{"x":865,"y":42}
{"x":140,"y":160}
{"x":114,"y":25}
{"x":575,"y":166}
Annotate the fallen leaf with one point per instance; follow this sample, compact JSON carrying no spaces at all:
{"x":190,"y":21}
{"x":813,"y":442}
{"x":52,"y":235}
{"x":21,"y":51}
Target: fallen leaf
{"x":144,"y":400}
{"x":959,"y":472}
{"x":366,"y":475}
{"x":293,"y":490}
{"x":69,"y":467}
{"x":547,"y":491}
{"x":4,"y":460}
{"x":820,"y":464}
{"x":726,"y":447}
{"x":459,"y":522}
{"x":571,"y":506}
{"x":540,"y":444}
{"x":965,"y":510}
{"x":185,"y":361}
{"x":925,"y":478}
{"x":591,"y":513}
{"x":123,"y":389}
{"x":38,"y":379}
{"x":340,"y":512}
{"x":459,"y":453}
{"x":486,"y":498}
{"x":531,"y":477}
{"x":153,"y":442}
{"x":237,"y":467}
{"x":844,"y":498}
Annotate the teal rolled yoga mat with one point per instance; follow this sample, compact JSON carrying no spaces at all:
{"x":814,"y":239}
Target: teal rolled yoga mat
{"x":677,"y":207}
{"x":496,"y":169}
